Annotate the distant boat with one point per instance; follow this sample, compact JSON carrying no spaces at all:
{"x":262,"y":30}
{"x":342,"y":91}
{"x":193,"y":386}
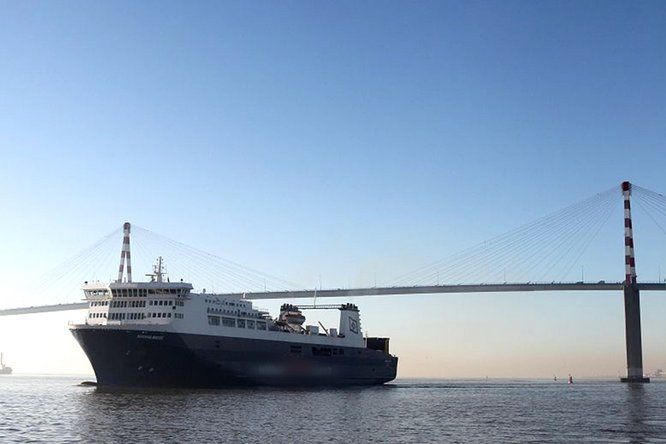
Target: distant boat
{"x":570,"y":379}
{"x":4,"y":370}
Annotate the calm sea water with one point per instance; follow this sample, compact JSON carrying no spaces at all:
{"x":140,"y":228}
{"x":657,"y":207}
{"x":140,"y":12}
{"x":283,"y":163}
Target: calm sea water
{"x":49,"y":409}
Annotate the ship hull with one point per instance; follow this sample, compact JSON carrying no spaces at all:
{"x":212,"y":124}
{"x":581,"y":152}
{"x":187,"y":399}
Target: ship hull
{"x":136,"y":358}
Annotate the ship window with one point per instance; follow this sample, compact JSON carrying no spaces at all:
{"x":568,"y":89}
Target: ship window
{"x":229,"y":322}
{"x":261,"y":325}
{"x":321,"y":351}
{"x":213,"y":320}
{"x":169,"y":315}
{"x":241,"y":323}
{"x":250,"y":324}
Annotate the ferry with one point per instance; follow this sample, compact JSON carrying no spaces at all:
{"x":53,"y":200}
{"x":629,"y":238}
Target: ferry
{"x":4,"y":370}
{"x":162,"y":334}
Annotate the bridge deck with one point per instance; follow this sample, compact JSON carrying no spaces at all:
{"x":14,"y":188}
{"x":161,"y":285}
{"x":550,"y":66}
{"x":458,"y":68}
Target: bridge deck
{"x":383,"y":291}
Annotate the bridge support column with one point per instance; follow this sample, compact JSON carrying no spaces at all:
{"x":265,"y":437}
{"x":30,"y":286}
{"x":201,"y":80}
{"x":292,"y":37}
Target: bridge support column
{"x":632,"y":303}
{"x":632,"y":321}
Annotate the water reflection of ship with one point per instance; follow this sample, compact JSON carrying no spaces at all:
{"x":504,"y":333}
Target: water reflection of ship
{"x":4,"y":370}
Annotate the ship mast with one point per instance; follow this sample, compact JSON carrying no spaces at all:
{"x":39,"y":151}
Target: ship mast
{"x":158,"y":274}
{"x":158,"y":269}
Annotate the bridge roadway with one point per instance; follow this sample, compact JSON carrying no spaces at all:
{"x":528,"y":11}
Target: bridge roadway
{"x":384,"y":291}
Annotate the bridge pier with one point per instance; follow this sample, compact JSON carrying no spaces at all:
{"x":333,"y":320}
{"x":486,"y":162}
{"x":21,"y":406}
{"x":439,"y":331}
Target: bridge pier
{"x":632,"y":300}
{"x":632,"y":323}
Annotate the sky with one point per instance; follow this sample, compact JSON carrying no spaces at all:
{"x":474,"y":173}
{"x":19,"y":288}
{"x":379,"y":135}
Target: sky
{"x":341,"y":143}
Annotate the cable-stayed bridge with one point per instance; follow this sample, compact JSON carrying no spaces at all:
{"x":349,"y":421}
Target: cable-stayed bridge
{"x":534,"y":257}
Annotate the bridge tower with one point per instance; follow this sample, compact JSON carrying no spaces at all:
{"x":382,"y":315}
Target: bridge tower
{"x":125,"y":255}
{"x":632,"y":305}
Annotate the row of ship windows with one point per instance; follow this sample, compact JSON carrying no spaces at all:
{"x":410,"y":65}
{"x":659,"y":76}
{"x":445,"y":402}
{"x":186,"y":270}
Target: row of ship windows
{"x":118,"y":316}
{"x":240,"y":323}
{"x":319,"y":351}
{"x":138,"y":292}
{"x":124,"y":304}
{"x":133,"y":316}
{"x":232,"y":312}
{"x":232,"y":304}
{"x":143,"y":292}
{"x":178,"y":303}
{"x":135,"y":304}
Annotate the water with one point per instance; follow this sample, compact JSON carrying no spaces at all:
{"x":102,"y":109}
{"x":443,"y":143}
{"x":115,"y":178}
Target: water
{"x":51,"y":409}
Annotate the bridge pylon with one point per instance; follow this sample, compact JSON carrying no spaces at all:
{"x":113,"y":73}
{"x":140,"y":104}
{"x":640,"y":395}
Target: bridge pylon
{"x":632,"y":304}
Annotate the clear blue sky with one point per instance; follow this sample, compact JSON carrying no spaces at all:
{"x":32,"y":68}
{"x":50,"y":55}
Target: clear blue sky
{"x":343,"y":139}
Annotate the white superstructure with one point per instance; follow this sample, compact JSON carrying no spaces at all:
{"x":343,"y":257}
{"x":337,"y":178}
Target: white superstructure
{"x":160,"y":305}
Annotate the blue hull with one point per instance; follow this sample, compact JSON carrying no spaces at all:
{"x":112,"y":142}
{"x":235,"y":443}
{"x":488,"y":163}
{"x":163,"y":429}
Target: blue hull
{"x":134,"y":358}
